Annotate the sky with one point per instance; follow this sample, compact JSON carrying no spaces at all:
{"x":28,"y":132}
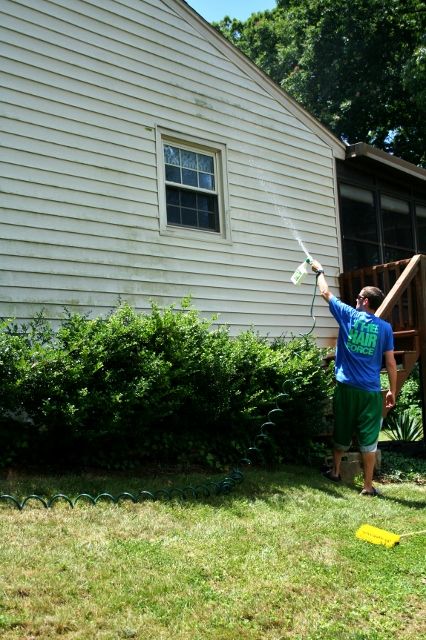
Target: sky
{"x":215,"y":10}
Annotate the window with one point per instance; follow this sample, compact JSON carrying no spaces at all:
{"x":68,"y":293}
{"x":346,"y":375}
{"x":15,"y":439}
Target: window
{"x":191,"y":185}
{"x":358,"y":254}
{"x":359,"y":227}
{"x":397,"y":228}
{"x":421,"y":228}
{"x":382,"y":214}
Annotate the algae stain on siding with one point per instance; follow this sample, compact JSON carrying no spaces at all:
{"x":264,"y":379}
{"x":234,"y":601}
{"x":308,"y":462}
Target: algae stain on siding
{"x":202,"y":103}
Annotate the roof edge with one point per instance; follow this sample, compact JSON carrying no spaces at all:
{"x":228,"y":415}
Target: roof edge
{"x":238,"y":57}
{"x":362,"y":149}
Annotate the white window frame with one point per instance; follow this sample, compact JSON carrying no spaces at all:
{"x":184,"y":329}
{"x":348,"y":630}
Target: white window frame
{"x":219,"y":153}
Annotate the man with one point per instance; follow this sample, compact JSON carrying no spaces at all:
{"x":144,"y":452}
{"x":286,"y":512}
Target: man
{"x":362,"y":343}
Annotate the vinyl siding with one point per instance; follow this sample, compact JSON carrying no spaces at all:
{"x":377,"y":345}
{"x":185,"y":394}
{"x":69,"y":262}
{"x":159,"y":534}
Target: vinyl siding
{"x":85,"y":87}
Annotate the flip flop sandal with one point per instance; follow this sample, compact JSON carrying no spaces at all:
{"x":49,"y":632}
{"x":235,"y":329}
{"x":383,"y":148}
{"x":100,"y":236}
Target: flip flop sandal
{"x":372,"y":493}
{"x":327,"y":474}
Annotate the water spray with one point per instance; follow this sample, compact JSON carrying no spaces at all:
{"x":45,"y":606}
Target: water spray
{"x":302,"y":270}
{"x":280,"y":209}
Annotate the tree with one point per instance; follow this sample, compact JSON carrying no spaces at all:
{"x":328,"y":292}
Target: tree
{"x":359,"y":66}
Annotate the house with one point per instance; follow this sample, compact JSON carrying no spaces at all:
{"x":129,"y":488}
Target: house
{"x":145,"y":158}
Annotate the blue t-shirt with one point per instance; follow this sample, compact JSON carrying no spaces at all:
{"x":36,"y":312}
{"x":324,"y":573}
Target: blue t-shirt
{"x":363,"y":339}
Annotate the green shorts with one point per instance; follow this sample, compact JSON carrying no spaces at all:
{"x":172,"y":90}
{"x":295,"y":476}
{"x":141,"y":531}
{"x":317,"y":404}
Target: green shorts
{"x":356,"y":412}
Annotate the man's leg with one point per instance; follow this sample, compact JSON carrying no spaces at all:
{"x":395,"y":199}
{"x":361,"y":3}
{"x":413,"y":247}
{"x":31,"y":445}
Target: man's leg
{"x":337,"y":459}
{"x":370,"y":424}
{"x":343,"y":427}
{"x":368,"y":461}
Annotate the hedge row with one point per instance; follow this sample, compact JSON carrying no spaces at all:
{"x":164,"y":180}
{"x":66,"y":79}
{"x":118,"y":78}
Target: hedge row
{"x":164,"y":387}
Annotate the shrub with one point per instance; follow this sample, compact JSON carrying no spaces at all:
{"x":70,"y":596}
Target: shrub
{"x":397,"y":467}
{"x":306,"y":390}
{"x":405,"y":422}
{"x":164,"y":387}
{"x":409,"y":399}
{"x":13,"y":361}
{"x":410,"y":395}
{"x":403,"y":426}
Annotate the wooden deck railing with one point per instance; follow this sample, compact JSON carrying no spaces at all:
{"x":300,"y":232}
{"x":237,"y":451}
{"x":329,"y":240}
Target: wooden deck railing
{"x":400,"y":284}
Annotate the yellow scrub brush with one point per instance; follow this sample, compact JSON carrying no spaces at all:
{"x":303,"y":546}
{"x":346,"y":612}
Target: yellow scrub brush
{"x":381,"y":536}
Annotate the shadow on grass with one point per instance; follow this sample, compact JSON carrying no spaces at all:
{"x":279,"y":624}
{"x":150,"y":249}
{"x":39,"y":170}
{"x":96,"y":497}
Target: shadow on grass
{"x":255,"y":484}
{"x":412,"y":504}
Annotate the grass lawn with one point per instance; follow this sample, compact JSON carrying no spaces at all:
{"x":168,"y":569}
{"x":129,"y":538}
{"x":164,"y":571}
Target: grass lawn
{"x":275,"y":559}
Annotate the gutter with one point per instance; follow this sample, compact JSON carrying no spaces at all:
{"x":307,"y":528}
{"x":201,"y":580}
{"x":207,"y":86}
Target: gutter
{"x":364,"y":150}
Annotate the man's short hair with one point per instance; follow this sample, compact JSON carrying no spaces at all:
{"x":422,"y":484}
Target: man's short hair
{"x":374,"y":295}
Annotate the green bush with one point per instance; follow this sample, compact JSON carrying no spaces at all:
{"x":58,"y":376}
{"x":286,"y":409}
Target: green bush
{"x":403,"y":426}
{"x":409,"y":398}
{"x":164,"y":387}
{"x":405,"y":422}
{"x":398,"y":467}
{"x":14,"y":358}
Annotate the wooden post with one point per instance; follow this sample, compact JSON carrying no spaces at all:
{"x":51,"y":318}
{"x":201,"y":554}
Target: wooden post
{"x":421,"y":318}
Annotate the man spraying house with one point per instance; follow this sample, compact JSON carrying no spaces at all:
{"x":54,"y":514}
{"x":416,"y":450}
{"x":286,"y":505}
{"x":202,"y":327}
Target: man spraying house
{"x":362,"y":342}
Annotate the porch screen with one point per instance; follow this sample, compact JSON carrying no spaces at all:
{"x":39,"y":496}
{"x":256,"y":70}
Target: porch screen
{"x":421,"y":228}
{"x":397,"y":228}
{"x":359,"y":227}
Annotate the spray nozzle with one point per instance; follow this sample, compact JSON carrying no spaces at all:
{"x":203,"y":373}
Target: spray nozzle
{"x":301,"y":271}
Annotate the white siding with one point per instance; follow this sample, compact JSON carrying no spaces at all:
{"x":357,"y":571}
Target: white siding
{"x":84,"y":88}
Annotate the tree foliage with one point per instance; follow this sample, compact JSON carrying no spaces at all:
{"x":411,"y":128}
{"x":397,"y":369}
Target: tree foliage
{"x":358,"y":66}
